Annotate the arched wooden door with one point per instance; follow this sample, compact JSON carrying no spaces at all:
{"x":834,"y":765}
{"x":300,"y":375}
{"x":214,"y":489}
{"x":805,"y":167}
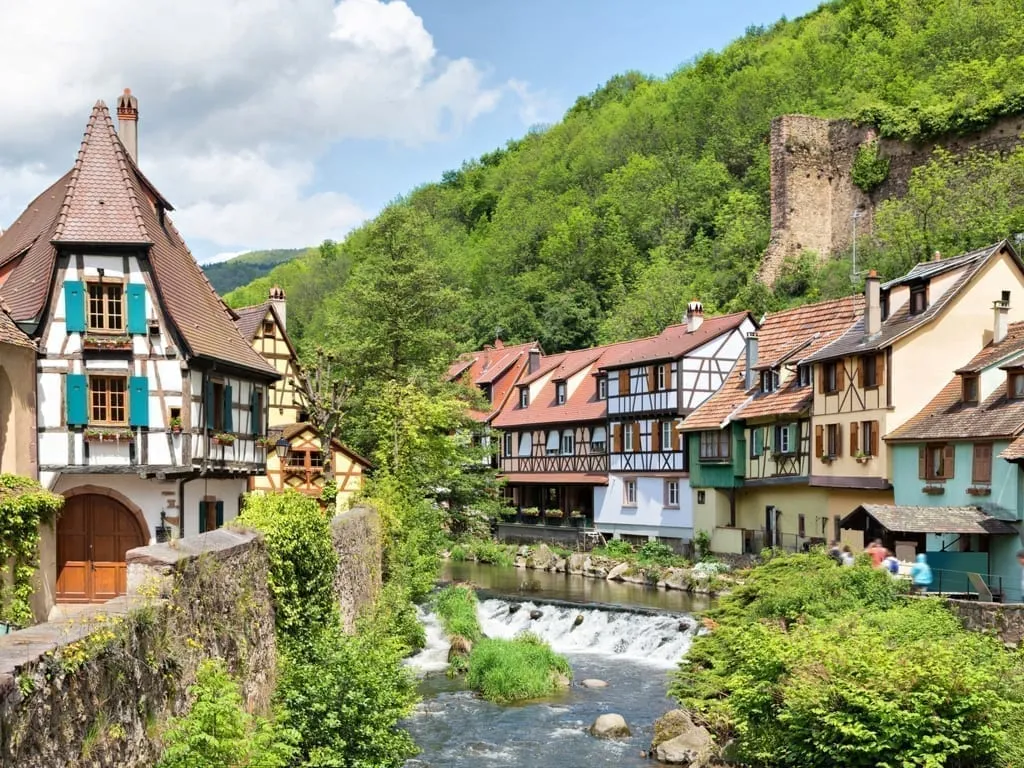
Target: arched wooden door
{"x":93,"y":534}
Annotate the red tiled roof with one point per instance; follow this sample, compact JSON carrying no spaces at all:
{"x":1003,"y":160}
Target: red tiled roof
{"x":249,"y":319}
{"x":498,"y":367}
{"x":785,"y":337}
{"x":569,"y":478}
{"x":11,"y":333}
{"x":673,"y":342}
{"x":106,"y":200}
{"x":1013,"y":344}
{"x":582,"y":403}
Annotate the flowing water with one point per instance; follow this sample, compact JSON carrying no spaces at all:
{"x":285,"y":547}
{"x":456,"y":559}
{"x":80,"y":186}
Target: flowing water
{"x":624,"y":638}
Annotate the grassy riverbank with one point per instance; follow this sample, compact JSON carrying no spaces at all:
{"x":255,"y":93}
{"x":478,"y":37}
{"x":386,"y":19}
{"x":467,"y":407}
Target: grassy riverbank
{"x":503,"y":671}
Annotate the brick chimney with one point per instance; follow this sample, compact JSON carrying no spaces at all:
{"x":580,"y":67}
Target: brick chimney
{"x":694,"y":316}
{"x":1001,"y":325}
{"x":750,"y":374}
{"x":278,"y":303}
{"x":534,"y":362}
{"x":872,"y":304}
{"x":128,"y":123}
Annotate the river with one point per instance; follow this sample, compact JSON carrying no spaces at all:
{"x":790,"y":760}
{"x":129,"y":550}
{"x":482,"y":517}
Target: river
{"x":631,"y":637}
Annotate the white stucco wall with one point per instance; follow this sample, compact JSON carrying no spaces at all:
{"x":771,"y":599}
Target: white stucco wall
{"x":649,"y":517}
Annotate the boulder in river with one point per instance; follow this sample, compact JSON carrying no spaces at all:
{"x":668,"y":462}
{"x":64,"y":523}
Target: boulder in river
{"x":594,"y":568}
{"x":673,"y":723}
{"x":616,"y":573}
{"x":578,"y":620}
{"x":535,"y":614}
{"x":560,"y":565}
{"x":594,"y":683}
{"x":542,"y":559}
{"x":561,"y":681}
{"x":576,"y":561}
{"x":514,"y":607}
{"x":610,"y":726}
{"x":677,"y":578}
{"x":677,"y":741}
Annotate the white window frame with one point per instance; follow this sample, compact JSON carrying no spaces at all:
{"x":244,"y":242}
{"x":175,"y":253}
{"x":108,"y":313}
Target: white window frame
{"x":660,"y":382}
{"x":785,"y":438}
{"x":602,"y":388}
{"x":671,"y":490}
{"x":627,"y":437}
{"x":507,"y":443}
{"x":524,"y":397}
{"x":568,"y":444}
{"x":553,"y":447}
{"x":598,"y":440}
{"x":805,"y":375}
{"x":629,"y":492}
{"x":560,"y":392}
{"x":666,"y":437}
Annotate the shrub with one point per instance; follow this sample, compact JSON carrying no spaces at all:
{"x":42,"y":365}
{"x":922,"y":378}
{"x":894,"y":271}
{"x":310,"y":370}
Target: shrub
{"x":456,"y":608}
{"x":505,"y":671}
{"x":458,"y":553}
{"x":218,"y":733}
{"x":491,"y":552}
{"x":657,"y":553}
{"x":302,"y":560}
{"x":618,"y":548}
{"x":869,"y":169}
{"x":24,"y":506}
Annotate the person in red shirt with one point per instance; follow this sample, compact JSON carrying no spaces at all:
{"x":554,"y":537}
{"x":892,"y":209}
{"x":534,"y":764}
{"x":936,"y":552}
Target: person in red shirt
{"x":877,"y":552}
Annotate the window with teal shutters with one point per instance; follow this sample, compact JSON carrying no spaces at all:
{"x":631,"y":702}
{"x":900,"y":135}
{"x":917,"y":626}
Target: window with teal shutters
{"x":256,"y":411}
{"x":220,"y":514}
{"x":228,"y":422}
{"x":208,"y":404}
{"x":136,"y":293}
{"x":757,"y":443}
{"x":74,"y":306}
{"x":77,"y":397}
{"x":138,"y":402}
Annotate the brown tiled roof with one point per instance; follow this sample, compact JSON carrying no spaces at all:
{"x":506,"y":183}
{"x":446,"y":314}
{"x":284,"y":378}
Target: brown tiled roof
{"x":11,"y":333}
{"x":498,"y":367}
{"x":934,"y":519}
{"x":673,"y":342}
{"x":1009,"y":347}
{"x":715,"y":412}
{"x":250,"y":318}
{"x":946,"y":417}
{"x":786,"y":337}
{"x":901,"y":322}
{"x":105,"y":176}
{"x":1014,"y":451}
{"x":582,"y":404}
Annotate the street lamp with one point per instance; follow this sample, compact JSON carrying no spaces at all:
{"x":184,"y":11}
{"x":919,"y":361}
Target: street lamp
{"x":281,"y":447}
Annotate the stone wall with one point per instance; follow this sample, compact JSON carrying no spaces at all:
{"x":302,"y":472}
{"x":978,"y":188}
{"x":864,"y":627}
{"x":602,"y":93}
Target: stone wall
{"x":1005,"y":619}
{"x":95,"y":688}
{"x":813,"y":197}
{"x":357,"y":540}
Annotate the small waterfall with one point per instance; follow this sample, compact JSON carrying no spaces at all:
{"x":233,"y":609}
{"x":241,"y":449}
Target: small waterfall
{"x":434,"y":656}
{"x":654,"y":639}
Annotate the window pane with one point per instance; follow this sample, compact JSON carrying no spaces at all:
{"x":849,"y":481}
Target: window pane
{"x":113,"y":307}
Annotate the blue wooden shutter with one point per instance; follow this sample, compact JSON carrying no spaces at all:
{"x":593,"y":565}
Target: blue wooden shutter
{"x":228,"y":422}
{"x":758,"y":440}
{"x":256,"y":412}
{"x":208,"y":404}
{"x":138,"y":402}
{"x":220,"y":514}
{"x":136,"y":308}
{"x":74,"y":305}
{"x":77,"y":399}
{"x":202,"y":517}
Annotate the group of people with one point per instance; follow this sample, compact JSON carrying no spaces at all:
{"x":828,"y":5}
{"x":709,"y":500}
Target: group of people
{"x":920,"y":571}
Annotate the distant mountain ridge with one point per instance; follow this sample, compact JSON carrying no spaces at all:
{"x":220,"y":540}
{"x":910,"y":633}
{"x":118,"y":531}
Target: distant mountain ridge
{"x":246,"y":267}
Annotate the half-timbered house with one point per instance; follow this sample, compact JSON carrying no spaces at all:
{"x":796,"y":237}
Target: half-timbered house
{"x":886,"y":367}
{"x":150,"y":403}
{"x":751,"y":441}
{"x":651,"y":385}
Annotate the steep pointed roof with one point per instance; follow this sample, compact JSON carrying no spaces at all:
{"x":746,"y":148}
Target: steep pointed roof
{"x":11,"y":333}
{"x":100,"y":204}
{"x":105,"y":200}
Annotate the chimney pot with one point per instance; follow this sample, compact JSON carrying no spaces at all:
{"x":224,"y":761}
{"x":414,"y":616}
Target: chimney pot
{"x":128,"y":123}
{"x":1000,"y":326}
{"x":277,"y":301}
{"x":872,"y":304}
{"x":694,"y":316}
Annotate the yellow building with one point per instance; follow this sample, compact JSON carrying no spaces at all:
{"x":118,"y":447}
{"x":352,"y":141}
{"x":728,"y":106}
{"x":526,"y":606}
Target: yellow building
{"x":895,"y":359}
{"x":303,"y":465}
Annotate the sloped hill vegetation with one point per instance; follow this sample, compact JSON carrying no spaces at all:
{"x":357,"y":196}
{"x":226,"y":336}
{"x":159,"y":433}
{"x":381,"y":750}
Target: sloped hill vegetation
{"x":246,"y":267}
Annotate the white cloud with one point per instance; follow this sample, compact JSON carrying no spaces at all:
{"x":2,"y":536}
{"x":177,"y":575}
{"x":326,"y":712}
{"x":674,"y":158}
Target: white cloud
{"x":238,"y":100}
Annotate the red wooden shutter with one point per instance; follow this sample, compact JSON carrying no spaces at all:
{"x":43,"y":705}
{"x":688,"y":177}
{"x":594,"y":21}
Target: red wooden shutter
{"x":982,"y":470}
{"x":860,"y":370}
{"x":652,"y":379}
{"x":617,"y":437}
{"x":948,"y":461}
{"x":821,"y":377}
{"x":875,"y":430}
{"x":636,"y":437}
{"x":840,"y":375}
{"x":819,"y":440}
{"x":656,"y":436}
{"x":839,"y":439}
{"x":668,"y":375}
{"x":880,"y":369}
{"x":854,"y":438}
{"x":922,"y":463}
{"x":676,"y":437}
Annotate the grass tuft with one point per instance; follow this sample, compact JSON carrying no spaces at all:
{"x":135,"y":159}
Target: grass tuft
{"x":525,"y":667}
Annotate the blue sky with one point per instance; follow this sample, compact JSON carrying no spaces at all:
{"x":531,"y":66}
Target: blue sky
{"x":279,"y":123}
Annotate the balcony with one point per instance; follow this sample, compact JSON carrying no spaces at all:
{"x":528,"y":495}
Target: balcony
{"x":587,"y":464}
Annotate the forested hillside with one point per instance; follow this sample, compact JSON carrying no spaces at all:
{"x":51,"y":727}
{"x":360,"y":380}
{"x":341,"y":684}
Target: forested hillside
{"x":652,"y":191}
{"x":246,"y":267}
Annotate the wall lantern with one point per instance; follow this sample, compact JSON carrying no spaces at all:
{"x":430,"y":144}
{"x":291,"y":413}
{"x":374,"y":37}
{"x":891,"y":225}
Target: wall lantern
{"x":282,"y":446}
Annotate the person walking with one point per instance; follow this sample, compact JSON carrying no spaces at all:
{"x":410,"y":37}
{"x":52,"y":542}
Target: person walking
{"x":847,"y":555}
{"x":877,"y":552}
{"x":921,"y":574}
{"x":891,"y":564}
{"x":836,"y":553}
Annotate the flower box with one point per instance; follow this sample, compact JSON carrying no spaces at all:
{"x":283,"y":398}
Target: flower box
{"x":862,"y":459}
{"x":576,"y":514}
{"x":223,"y":439}
{"x":110,"y":434}
{"x":175,"y":425}
{"x":556,"y":513}
{"x":827,"y":459}
{"x":117,"y":343}
{"x":531,"y":512}
{"x":934,"y":490}
{"x":980,"y":490}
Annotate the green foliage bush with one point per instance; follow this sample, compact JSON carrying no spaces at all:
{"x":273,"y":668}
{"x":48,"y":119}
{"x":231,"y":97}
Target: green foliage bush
{"x":523,"y":668}
{"x":456,"y":608}
{"x":811,"y":664}
{"x":870,"y":168}
{"x":218,"y":733}
{"x":302,"y":560}
{"x":618,"y":548}
{"x":24,"y":506}
{"x":656,"y":553}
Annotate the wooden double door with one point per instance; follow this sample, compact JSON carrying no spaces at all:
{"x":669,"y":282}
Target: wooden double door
{"x":93,"y":534}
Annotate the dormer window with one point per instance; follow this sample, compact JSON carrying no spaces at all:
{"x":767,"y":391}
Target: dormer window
{"x":524,"y":397}
{"x":602,"y":388}
{"x":970,"y":389}
{"x":769,"y":381}
{"x":918,"y":299}
{"x":1015,"y":385}
{"x":486,"y":390}
{"x":803,"y":375}
{"x":560,"y":393}
{"x":884,"y":304}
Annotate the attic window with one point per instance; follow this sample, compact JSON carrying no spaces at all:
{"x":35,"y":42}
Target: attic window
{"x":918,"y":299}
{"x":268,"y":327}
{"x":803,"y":374}
{"x":560,"y":393}
{"x":1015,"y":385}
{"x":524,"y":397}
{"x":884,"y":304}
{"x":602,"y":388}
{"x":769,"y":381}
{"x":970,"y":389}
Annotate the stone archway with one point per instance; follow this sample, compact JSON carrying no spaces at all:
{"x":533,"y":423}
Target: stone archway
{"x":94,"y":531}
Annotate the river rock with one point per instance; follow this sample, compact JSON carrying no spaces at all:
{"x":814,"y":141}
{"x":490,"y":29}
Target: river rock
{"x":616,"y":573}
{"x":673,"y":723}
{"x":523,"y":551}
{"x":561,"y":681}
{"x":578,"y":620}
{"x":594,"y":568}
{"x":594,"y":683}
{"x":514,"y":607}
{"x":610,"y":726}
{"x":677,"y":578}
{"x":576,"y":561}
{"x":694,"y":748}
{"x":536,"y":614}
{"x":560,"y":564}
{"x":542,"y":559}
{"x":520,"y":562}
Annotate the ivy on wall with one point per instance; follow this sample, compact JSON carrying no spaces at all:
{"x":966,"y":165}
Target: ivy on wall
{"x":870,"y":168}
{"x":24,"y":507}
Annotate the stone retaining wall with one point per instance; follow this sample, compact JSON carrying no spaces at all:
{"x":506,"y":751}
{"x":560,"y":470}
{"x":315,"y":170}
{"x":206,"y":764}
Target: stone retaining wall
{"x":357,"y":540}
{"x":1005,"y":619}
